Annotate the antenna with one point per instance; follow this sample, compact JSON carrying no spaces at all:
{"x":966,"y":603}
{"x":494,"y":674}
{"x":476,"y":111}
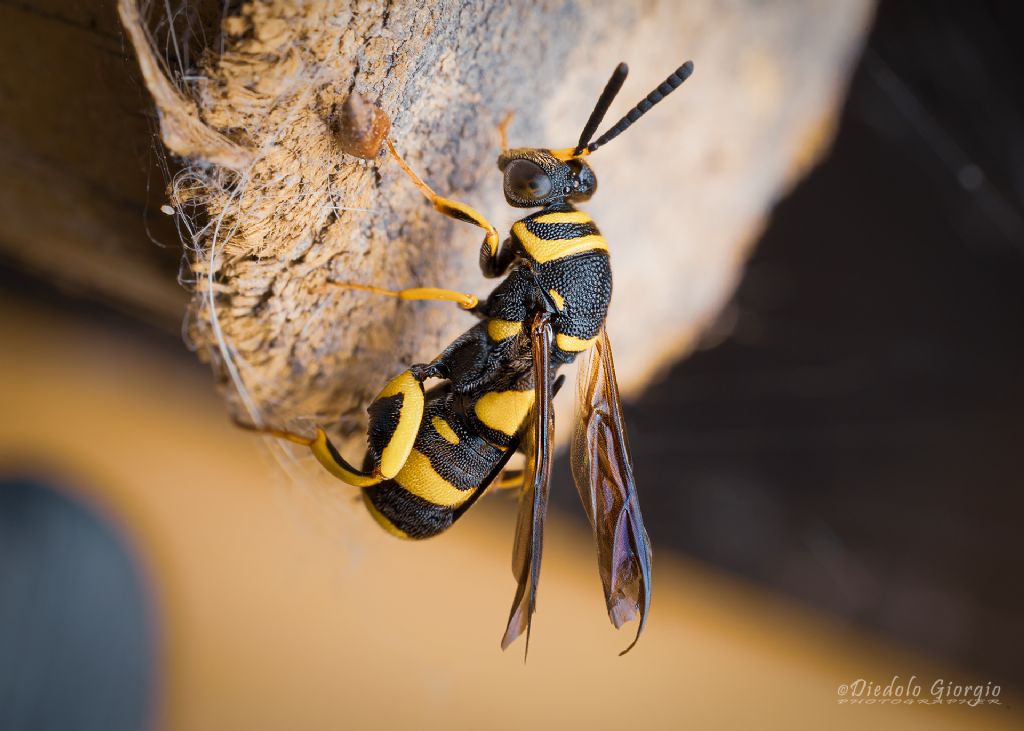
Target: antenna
{"x":601,"y":108}
{"x":666,"y":87}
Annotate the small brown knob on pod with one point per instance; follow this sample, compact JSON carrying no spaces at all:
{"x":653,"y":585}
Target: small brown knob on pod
{"x":360,"y":127}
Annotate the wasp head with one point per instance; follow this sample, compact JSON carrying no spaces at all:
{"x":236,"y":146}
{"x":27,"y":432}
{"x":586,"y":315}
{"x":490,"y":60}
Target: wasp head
{"x":536,"y":178}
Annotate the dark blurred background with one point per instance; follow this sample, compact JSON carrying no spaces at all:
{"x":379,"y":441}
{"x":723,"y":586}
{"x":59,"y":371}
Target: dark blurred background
{"x":76,"y":616}
{"x":856,"y":440}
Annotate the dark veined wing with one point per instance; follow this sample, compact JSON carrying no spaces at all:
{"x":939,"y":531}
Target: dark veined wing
{"x":533,"y":501}
{"x":603,"y":471}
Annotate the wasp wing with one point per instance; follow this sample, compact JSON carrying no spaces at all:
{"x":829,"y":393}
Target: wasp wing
{"x":533,"y":501}
{"x":603,"y":471}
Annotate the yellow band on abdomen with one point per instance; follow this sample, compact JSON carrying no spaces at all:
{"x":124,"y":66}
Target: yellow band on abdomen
{"x":420,"y":478}
{"x":443,"y":428}
{"x":504,"y":411}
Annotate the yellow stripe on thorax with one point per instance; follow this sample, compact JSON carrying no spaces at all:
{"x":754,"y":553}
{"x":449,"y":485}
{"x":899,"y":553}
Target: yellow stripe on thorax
{"x":498,"y":330}
{"x":504,"y":411}
{"x":558,"y":298}
{"x":564,"y":217}
{"x":420,"y":478}
{"x":542,"y":250}
{"x":571,"y":344}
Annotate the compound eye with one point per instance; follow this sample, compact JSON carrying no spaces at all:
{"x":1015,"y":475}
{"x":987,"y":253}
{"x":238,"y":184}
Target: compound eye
{"x":527,"y":180}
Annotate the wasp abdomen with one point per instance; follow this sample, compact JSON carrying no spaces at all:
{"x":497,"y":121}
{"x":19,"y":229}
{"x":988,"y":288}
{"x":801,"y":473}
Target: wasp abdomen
{"x":441,"y":476}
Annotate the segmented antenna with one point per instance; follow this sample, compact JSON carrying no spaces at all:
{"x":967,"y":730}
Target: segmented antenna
{"x":618,"y":77}
{"x":666,"y":87}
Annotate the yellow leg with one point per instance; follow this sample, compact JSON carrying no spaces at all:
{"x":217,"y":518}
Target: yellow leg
{"x":395,"y":417}
{"x":291,"y":437}
{"x":279,"y":433}
{"x":453,"y":209}
{"x":333,"y":462}
{"x":325,"y":453}
{"x":503,"y":130}
{"x":465,"y":301}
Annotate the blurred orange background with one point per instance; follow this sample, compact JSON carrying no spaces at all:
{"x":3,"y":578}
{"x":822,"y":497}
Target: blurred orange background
{"x":279,"y":604}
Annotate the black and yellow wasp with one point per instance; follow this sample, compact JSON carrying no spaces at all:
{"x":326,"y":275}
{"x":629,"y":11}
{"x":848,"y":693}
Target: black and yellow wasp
{"x":432,"y":453}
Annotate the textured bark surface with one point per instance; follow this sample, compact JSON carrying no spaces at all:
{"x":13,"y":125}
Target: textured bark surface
{"x":275,"y":210}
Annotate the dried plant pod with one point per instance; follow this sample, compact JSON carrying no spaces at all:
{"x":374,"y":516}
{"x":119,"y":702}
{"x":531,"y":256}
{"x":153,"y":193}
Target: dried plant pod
{"x":360,"y":127}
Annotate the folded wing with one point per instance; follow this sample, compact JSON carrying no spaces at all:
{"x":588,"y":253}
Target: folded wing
{"x":533,"y":501}
{"x":603,"y":471}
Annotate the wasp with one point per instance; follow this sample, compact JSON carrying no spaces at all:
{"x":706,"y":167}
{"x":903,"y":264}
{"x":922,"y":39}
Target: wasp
{"x":433,"y":452}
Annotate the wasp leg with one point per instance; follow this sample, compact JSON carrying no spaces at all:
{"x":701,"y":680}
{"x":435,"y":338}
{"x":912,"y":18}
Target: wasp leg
{"x":325,"y":452}
{"x":508,"y":480}
{"x":279,"y":433}
{"x":465,"y":301}
{"x":503,"y":130}
{"x":451,"y":208}
{"x":329,"y":456}
{"x":395,"y":417}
